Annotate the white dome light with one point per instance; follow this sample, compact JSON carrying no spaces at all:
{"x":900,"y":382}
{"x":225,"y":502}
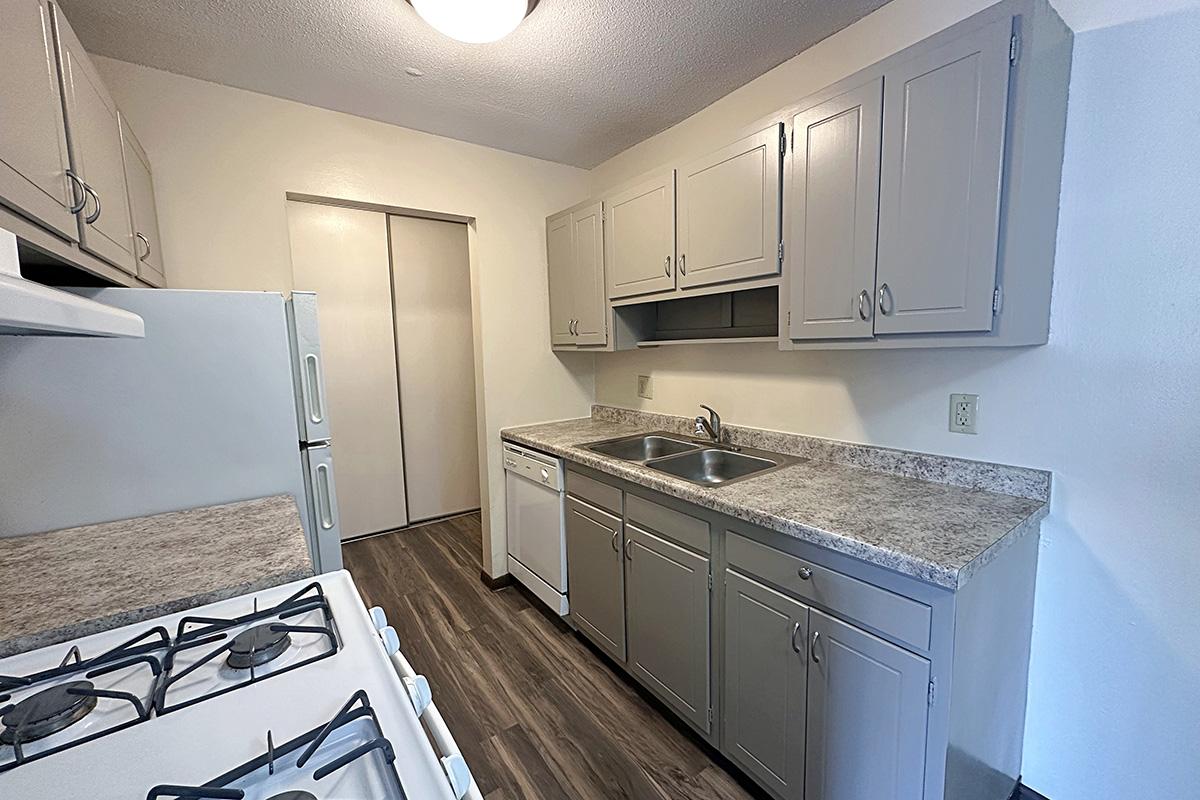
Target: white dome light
{"x":474,"y":21}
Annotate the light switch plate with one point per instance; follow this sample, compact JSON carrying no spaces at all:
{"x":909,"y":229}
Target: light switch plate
{"x":964,"y":410}
{"x":645,"y":388}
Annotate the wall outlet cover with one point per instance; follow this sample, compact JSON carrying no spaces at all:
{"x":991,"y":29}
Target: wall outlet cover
{"x":645,"y":388}
{"x":964,"y":411}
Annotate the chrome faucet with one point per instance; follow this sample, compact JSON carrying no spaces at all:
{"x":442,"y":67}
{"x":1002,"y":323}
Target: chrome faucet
{"x":710,"y":427}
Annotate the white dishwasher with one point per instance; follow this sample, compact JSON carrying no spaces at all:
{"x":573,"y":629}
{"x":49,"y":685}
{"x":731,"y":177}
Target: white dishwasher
{"x":537,"y":553}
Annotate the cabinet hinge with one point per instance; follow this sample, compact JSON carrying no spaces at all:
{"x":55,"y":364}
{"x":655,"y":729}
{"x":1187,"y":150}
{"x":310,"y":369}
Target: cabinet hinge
{"x":793,"y":140}
{"x":789,"y":322}
{"x":783,"y":144}
{"x":710,"y":718}
{"x":780,"y":251}
{"x":997,"y":300}
{"x":1014,"y":49}
{"x":932,"y":691}
{"x":710,"y":581}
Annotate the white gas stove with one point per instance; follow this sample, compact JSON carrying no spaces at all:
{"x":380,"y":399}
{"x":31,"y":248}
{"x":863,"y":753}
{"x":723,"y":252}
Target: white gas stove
{"x":292,"y":693}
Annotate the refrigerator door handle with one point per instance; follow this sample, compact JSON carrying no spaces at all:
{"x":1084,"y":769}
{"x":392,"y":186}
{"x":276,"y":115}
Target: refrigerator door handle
{"x":324,"y":497}
{"x":312,"y":375}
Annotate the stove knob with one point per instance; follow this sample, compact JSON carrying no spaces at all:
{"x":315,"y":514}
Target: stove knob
{"x":391,"y":640}
{"x":459,"y":774}
{"x":419,"y":692}
{"x":378,"y":617}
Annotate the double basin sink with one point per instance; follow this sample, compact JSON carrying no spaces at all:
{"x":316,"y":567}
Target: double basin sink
{"x":702,"y":463}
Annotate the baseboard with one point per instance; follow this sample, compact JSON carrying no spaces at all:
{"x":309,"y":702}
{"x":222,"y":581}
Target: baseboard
{"x":1023,"y":792}
{"x":495,"y":583}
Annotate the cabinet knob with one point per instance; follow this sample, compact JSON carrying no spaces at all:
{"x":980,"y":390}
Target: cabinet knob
{"x":795,"y":630}
{"x":683,"y":263}
{"x":667,"y":266}
{"x":614,"y":542}
{"x":885,"y":292}
{"x":805,"y":573}
{"x":91,"y":218}
{"x":76,"y":204}
{"x":864,"y":305}
{"x":812,"y":648}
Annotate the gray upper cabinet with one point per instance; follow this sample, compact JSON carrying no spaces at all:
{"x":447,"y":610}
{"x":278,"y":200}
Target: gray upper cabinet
{"x":33,"y":145}
{"x":595,"y":575}
{"x":142,"y":210}
{"x":639,"y":237}
{"x":766,"y":676}
{"x":867,"y":716}
{"x":833,"y":190}
{"x":560,"y":276}
{"x":728,"y":212}
{"x":668,"y":610}
{"x":94,"y":140}
{"x":944,"y":116}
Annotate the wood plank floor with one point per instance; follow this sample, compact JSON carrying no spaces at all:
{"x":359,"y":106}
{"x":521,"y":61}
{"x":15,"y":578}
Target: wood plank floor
{"x":537,"y":713}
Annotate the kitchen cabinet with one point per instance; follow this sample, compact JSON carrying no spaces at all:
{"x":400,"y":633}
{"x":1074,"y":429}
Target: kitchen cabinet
{"x":944,"y":116}
{"x":575,"y":259}
{"x":867,"y":715}
{"x":766,"y":677}
{"x":94,"y":144}
{"x":667,"y":599}
{"x":143,"y":212}
{"x":834,"y":211}
{"x":639,"y":237}
{"x":728,"y":211}
{"x":33,"y":145}
{"x":595,"y":574}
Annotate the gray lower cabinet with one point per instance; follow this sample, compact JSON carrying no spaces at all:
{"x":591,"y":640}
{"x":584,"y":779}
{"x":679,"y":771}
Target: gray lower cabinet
{"x":667,"y":600}
{"x":595,"y":575}
{"x":766,"y":680}
{"x":867,"y":716}
{"x":33,"y":146}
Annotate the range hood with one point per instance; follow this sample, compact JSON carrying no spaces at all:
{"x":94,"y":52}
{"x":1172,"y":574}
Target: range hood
{"x":31,"y":309}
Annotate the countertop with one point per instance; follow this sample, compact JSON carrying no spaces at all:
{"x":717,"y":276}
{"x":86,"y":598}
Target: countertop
{"x":66,"y":584}
{"x":933,"y":531}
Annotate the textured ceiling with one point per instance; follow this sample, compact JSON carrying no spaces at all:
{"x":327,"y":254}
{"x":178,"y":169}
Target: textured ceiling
{"x":578,"y":82}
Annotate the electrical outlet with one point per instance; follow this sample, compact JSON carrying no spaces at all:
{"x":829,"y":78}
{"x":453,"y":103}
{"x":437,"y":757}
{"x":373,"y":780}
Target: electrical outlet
{"x":964,"y":408}
{"x":645,"y":388}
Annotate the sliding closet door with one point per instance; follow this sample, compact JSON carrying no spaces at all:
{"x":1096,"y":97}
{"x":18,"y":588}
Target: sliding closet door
{"x":342,"y":255}
{"x":431,"y":280}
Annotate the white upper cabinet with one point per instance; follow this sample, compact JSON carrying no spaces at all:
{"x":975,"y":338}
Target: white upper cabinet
{"x":944,"y":115}
{"x":575,"y":260}
{"x":94,"y":139}
{"x":728,"y":212}
{"x":33,"y":145}
{"x":639,"y":237}
{"x":833,"y":194}
{"x":142,"y":210}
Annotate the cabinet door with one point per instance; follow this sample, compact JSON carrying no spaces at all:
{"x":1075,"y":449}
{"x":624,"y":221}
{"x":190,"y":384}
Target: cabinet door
{"x":142,"y":210}
{"x":33,"y":145}
{"x":867,"y":715}
{"x":667,"y":595}
{"x":94,"y":136}
{"x":728,"y":216}
{"x":766,"y":671}
{"x":595,"y":577}
{"x":639,"y":238}
{"x":589,"y":300}
{"x":834,"y":194}
{"x":944,"y":114}
{"x":560,"y":276}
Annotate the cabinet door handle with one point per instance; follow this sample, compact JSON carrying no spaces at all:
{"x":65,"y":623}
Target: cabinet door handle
{"x":668,"y":266}
{"x":76,"y":204}
{"x":146,"y":242}
{"x":683,"y":263}
{"x":864,"y":305}
{"x":614,"y":541}
{"x":795,"y":630}
{"x":91,"y":219}
{"x":629,"y":550}
{"x":885,"y":291}
{"x":813,"y":647}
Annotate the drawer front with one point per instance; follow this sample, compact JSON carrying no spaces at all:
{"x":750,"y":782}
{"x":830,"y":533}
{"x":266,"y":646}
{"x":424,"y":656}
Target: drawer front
{"x":598,"y":494}
{"x":683,"y":529}
{"x":887,"y":612}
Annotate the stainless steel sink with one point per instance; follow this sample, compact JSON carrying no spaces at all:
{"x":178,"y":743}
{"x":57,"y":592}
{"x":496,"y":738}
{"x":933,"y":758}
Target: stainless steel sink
{"x":643,"y":447}
{"x":712,"y":467}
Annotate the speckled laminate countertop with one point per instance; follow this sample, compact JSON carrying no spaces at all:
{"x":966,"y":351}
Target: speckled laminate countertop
{"x":940,"y":527}
{"x":65,"y":584}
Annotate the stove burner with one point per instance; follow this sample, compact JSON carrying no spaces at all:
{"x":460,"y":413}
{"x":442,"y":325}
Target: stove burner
{"x":256,"y":646}
{"x":49,"y":711}
{"x":293,"y":796}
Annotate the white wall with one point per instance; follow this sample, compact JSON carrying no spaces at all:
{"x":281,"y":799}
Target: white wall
{"x":1110,"y":404}
{"x":225,"y":158}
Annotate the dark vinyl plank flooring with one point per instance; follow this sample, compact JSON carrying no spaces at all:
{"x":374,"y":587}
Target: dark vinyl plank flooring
{"x":538,"y":714}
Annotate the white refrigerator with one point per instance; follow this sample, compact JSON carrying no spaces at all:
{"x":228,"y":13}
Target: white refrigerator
{"x":216,"y":404}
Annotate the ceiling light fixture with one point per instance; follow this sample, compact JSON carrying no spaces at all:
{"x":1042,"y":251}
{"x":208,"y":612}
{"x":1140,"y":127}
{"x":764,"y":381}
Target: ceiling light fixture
{"x":474,"y":21}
